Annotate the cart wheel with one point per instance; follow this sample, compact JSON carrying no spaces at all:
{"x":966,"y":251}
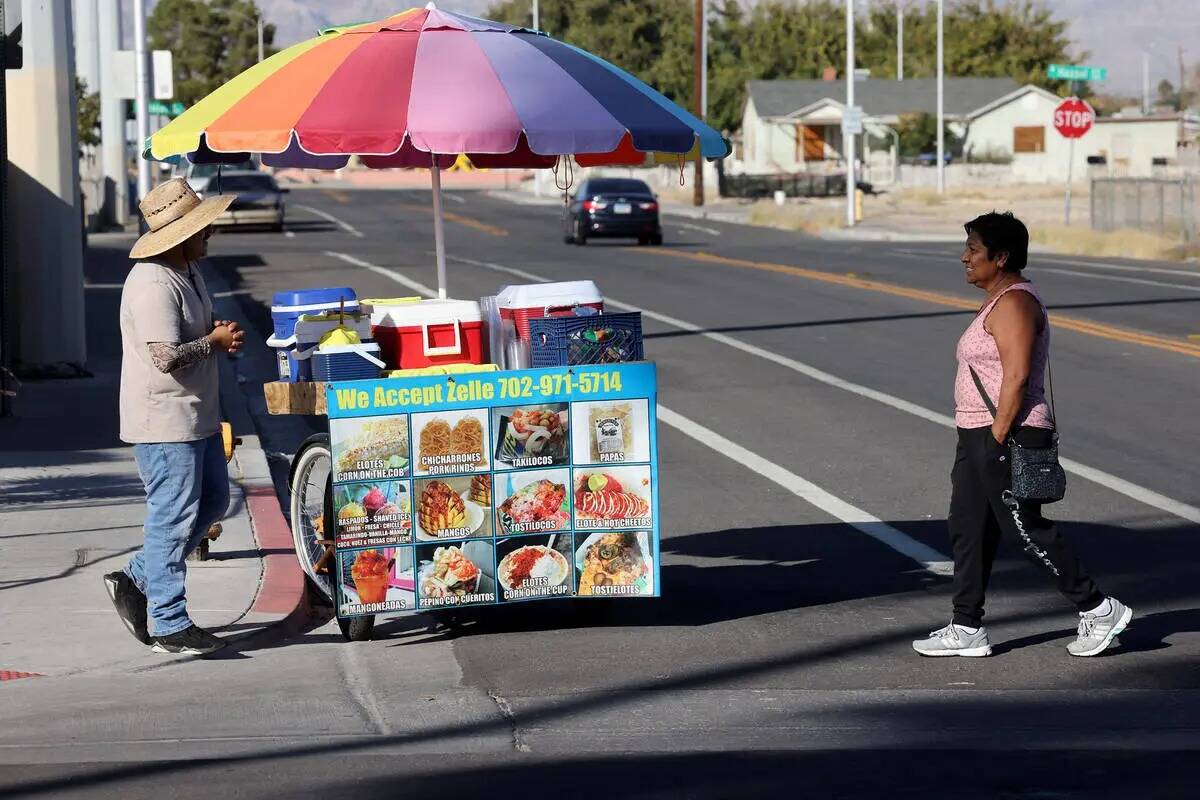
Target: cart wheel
{"x":357,"y":629}
{"x":312,"y":512}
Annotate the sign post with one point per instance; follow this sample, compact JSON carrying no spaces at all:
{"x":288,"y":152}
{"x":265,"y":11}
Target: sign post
{"x":1072,"y":119}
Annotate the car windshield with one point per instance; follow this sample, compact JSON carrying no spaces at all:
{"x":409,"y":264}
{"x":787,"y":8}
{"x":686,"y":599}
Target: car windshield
{"x":210,"y":170}
{"x":617,"y":186}
{"x":247,"y":183}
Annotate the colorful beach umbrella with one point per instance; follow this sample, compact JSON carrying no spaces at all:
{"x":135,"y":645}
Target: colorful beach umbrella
{"x":424,"y":86}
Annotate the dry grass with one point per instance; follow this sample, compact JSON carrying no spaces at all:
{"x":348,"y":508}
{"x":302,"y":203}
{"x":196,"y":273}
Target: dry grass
{"x":807,"y":217}
{"x":1119,"y":244}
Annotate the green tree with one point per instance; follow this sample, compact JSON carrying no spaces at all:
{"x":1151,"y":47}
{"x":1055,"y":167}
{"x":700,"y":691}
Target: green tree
{"x":1014,"y":39}
{"x":87,"y":119}
{"x":211,"y":41}
{"x":918,"y":134}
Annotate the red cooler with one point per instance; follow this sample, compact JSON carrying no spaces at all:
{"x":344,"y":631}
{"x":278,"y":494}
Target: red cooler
{"x":415,"y":333}
{"x":537,"y":300}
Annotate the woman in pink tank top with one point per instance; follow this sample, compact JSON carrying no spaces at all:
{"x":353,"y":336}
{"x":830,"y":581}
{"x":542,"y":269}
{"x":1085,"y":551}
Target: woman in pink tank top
{"x":1004,"y":353}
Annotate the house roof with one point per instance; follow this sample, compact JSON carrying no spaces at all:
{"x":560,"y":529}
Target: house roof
{"x":1020,"y":92}
{"x":880,"y":97}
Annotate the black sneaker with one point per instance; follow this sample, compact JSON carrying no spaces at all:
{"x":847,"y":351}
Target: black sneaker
{"x":193,"y":641}
{"x":129,"y":602}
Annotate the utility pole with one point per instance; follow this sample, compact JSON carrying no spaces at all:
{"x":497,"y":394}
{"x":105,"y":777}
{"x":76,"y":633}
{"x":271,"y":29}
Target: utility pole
{"x":142,"y":75}
{"x":1182,"y":82}
{"x":537,"y":173}
{"x":260,"y":37}
{"x":1145,"y":83}
{"x":535,"y":15}
{"x":899,"y":42}
{"x":941,"y":111}
{"x":112,"y":115}
{"x":698,"y":94}
{"x":848,"y":138}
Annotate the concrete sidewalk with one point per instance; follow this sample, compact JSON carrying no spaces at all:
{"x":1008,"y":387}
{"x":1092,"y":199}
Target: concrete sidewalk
{"x":72,"y":506}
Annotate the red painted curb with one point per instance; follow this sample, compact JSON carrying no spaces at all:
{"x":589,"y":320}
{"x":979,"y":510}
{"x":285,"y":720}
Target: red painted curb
{"x":282,"y":588}
{"x":12,"y":675}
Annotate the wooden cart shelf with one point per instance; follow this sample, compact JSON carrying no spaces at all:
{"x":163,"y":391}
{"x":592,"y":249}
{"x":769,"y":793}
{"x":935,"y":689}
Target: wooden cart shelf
{"x":306,"y":397}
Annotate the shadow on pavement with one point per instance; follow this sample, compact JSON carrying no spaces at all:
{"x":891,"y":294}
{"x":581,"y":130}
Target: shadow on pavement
{"x":811,"y":774}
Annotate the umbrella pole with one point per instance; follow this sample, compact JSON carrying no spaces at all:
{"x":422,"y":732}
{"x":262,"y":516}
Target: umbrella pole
{"x":439,"y":232}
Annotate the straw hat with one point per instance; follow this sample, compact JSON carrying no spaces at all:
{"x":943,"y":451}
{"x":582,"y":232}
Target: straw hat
{"x":175,"y":213}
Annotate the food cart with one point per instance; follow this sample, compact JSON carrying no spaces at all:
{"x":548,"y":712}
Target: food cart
{"x":465,"y":481}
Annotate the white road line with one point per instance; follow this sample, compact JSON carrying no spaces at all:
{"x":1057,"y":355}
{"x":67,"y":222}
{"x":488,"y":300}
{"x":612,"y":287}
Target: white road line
{"x":1121,"y":278}
{"x":403,"y":280}
{"x":927,"y":557}
{"x":289,"y":234}
{"x":347,"y":227}
{"x":858,"y":519}
{"x":1120,"y":485}
{"x":454,"y":198}
{"x":701,"y":228}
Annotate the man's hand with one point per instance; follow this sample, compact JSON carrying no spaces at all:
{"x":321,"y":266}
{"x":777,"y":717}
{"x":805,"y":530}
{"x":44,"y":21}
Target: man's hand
{"x":222,"y":338}
{"x":236,"y":334}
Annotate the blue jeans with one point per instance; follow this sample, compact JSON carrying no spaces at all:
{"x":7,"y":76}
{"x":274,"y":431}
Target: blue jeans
{"x":187,"y":490}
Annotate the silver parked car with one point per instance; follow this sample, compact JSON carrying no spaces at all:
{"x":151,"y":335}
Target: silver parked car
{"x":259,"y":199}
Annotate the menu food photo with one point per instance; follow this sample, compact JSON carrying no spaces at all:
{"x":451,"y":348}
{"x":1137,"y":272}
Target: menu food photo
{"x":495,"y":488}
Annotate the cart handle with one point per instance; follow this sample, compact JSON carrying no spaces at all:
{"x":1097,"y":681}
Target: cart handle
{"x":452,"y":350}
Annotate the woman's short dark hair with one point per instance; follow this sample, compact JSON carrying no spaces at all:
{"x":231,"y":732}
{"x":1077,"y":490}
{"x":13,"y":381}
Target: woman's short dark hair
{"x":1003,"y":233}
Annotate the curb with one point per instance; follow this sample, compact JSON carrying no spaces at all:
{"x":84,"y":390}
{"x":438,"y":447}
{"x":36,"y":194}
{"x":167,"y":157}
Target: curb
{"x":282,"y":595}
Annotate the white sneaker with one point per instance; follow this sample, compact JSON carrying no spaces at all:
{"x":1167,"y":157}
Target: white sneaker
{"x":953,"y":640}
{"x":1096,"y":633}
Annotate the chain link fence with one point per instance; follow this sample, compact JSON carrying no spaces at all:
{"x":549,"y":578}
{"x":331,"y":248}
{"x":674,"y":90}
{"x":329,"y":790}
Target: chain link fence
{"x":1159,"y":205}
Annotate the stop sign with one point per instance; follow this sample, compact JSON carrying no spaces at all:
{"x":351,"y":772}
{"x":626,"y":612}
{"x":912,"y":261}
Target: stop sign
{"x":1073,"y":118}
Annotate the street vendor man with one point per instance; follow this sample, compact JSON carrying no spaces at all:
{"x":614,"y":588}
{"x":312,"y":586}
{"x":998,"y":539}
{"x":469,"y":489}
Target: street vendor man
{"x":170,"y":413}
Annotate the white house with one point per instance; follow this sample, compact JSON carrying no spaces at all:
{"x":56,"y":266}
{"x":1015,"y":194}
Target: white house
{"x":795,"y":125}
{"x":1020,"y":126}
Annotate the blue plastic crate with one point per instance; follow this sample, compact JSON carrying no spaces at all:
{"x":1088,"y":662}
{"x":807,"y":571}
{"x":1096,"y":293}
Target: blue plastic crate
{"x":596,"y":339}
{"x":344,"y":366}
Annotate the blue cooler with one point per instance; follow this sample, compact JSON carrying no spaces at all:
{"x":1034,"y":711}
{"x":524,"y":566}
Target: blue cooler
{"x":346,"y":362}
{"x":286,"y":308}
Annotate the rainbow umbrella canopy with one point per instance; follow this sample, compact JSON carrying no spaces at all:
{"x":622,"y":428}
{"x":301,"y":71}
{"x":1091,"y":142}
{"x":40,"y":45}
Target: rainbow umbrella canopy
{"x":424,"y":86}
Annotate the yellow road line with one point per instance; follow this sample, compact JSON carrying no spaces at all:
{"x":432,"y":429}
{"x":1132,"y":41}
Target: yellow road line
{"x":938,"y":298}
{"x":461,"y":220}
{"x":339,"y":195}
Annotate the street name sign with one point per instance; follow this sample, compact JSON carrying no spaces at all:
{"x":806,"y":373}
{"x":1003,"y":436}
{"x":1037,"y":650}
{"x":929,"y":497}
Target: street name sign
{"x":1073,"y":118}
{"x":166,"y":109}
{"x":1072,"y":72}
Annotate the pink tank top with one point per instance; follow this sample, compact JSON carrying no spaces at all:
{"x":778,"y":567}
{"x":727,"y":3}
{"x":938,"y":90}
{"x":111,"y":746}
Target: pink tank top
{"x":978,"y":349}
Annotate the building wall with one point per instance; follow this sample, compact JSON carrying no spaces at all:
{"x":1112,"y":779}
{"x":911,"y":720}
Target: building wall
{"x":1130,"y":146}
{"x":46,"y":260}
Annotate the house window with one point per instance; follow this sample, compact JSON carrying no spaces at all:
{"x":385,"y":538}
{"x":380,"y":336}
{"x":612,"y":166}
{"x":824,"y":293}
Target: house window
{"x":1029,"y":139}
{"x":810,"y":143}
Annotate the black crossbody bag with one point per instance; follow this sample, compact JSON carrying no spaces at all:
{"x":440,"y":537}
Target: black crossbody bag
{"x":1036,"y":473}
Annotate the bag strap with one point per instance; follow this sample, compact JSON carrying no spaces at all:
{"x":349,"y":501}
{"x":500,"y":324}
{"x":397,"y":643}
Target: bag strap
{"x":987,"y":401}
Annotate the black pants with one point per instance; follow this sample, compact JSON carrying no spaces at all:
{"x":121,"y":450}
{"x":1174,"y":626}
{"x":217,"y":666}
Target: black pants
{"x":982,"y":509}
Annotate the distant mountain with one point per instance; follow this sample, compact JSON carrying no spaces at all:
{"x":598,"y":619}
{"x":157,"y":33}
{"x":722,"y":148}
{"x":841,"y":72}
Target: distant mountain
{"x":1114,"y":32}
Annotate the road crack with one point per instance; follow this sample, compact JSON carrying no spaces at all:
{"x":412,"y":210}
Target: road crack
{"x":507,"y":711}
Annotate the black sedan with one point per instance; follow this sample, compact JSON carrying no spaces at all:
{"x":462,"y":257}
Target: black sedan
{"x":612,"y":207}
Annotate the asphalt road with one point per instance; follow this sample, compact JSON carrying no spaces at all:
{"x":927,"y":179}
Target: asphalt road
{"x":805,"y":449}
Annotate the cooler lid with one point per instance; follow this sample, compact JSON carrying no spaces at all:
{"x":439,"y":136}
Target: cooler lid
{"x":310,"y":297}
{"x":540,"y":295}
{"x":426,"y":312}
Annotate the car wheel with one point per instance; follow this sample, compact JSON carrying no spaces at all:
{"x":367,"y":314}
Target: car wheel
{"x":580,"y":237}
{"x":643,"y":241}
{"x":656,"y":239}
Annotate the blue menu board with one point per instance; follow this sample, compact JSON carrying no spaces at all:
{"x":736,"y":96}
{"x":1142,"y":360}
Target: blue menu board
{"x":496,"y":487}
